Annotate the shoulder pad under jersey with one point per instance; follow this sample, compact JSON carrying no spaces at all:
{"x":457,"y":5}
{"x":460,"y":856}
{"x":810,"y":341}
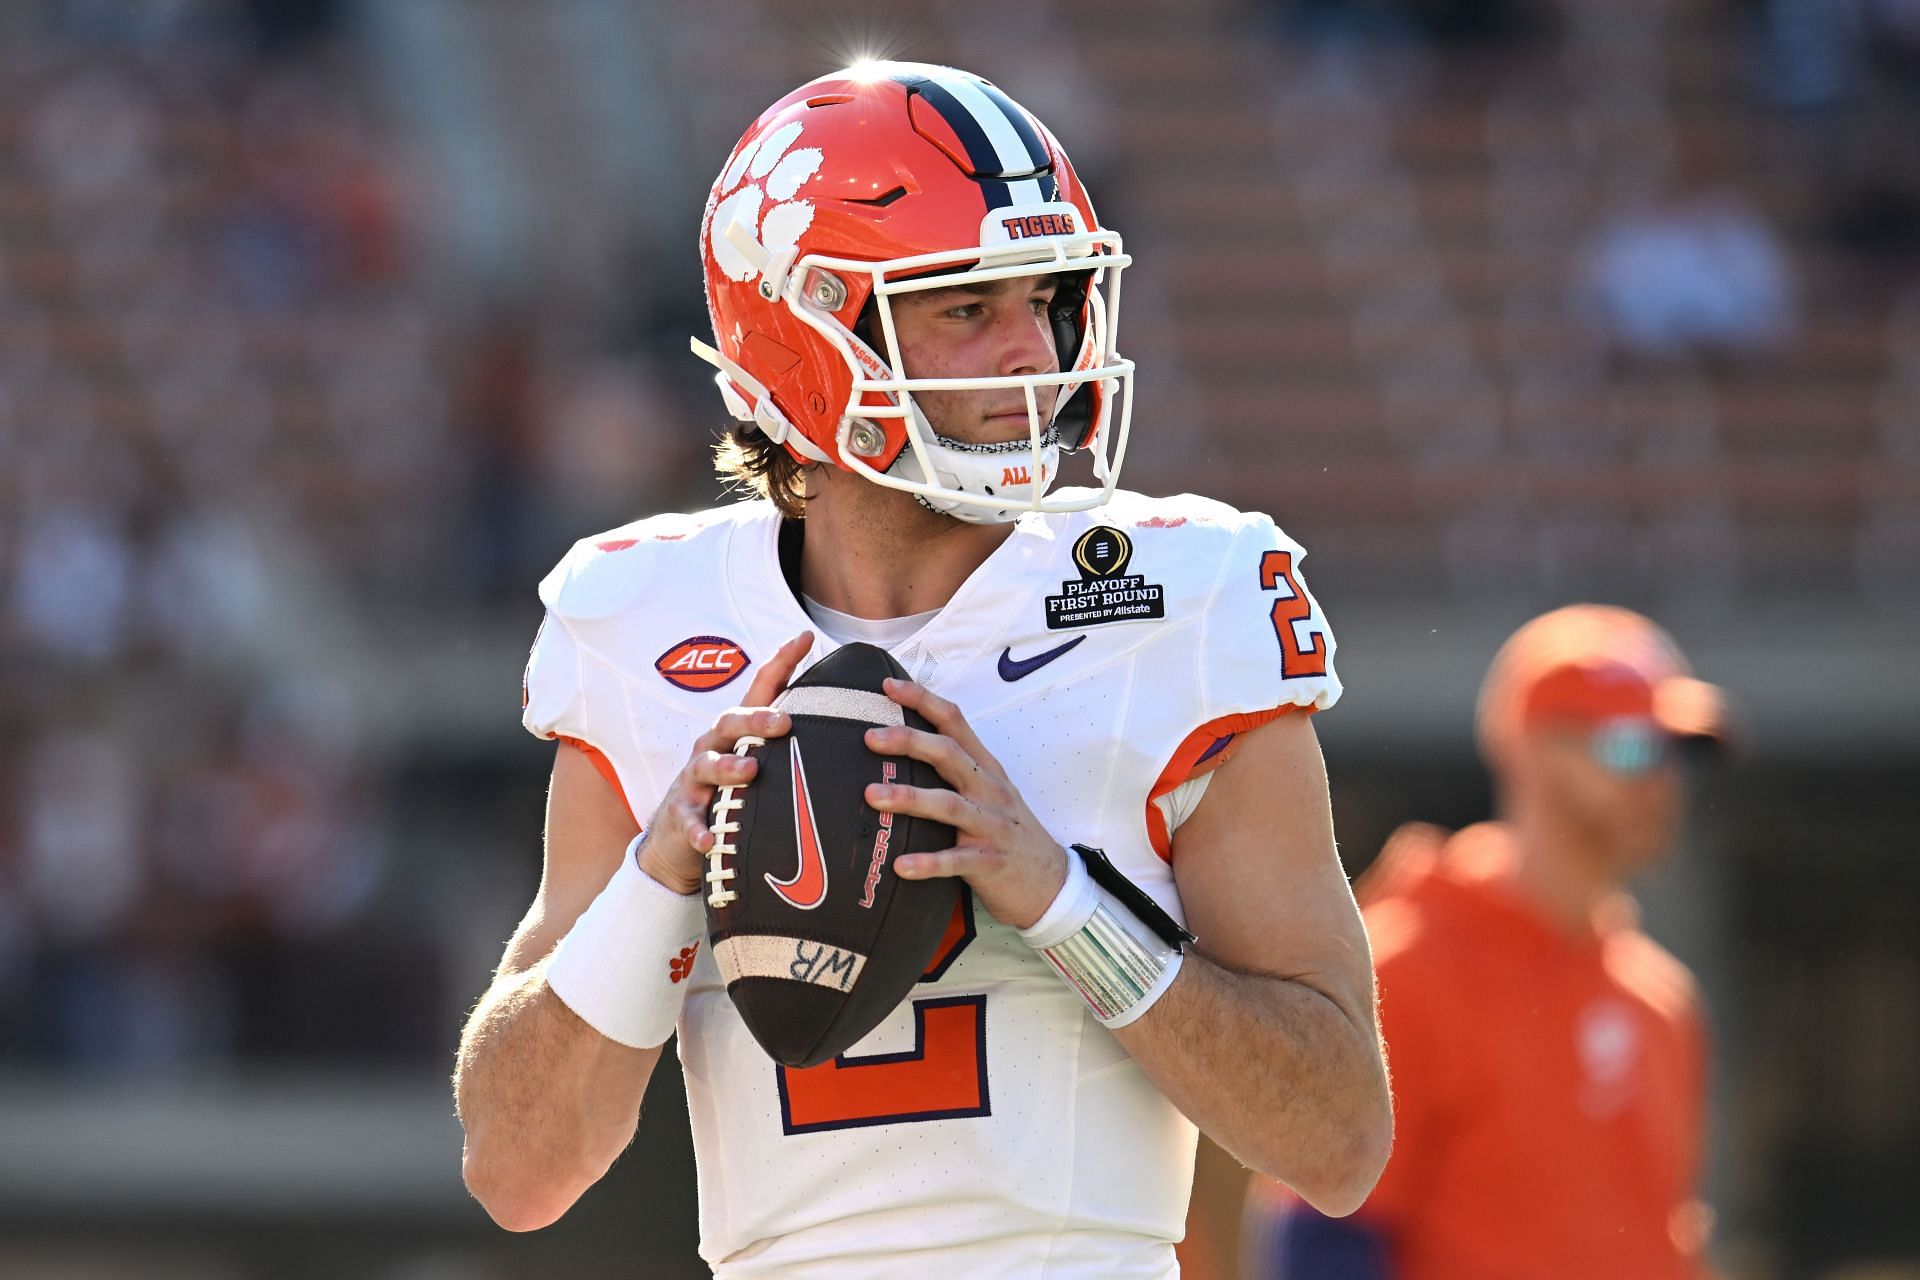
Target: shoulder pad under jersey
{"x":1262,"y":641}
{"x":599,"y":578}
{"x":1266,"y":634}
{"x":1179,"y":541}
{"x":601,"y":575}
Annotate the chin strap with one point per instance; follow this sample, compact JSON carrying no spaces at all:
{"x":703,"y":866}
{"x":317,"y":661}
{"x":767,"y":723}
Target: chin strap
{"x":980,"y":470}
{"x":763,"y":413}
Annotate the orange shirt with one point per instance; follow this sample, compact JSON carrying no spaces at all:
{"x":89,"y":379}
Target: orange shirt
{"x":1549,"y":1088}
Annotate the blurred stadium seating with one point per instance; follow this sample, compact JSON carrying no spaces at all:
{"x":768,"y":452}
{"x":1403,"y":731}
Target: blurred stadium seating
{"x":325,"y":327}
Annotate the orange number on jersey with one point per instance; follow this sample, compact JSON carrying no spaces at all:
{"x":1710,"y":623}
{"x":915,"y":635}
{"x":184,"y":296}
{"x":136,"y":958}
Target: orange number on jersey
{"x":1276,"y":567}
{"x":943,"y":1077}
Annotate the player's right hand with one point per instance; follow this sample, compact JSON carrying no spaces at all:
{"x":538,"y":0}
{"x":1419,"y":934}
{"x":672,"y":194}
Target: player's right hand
{"x":677,"y":838}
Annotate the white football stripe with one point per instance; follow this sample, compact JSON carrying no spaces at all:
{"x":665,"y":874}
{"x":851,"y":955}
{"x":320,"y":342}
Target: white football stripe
{"x":762,"y":955}
{"x":841,"y":704}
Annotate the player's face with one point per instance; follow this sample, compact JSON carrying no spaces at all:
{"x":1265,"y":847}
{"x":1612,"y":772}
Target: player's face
{"x":997,"y":328}
{"x":1629,"y":804}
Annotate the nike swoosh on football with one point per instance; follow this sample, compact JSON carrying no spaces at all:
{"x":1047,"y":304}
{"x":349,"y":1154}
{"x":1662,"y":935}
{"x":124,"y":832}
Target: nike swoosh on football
{"x":1012,"y":668}
{"x":809,"y":883}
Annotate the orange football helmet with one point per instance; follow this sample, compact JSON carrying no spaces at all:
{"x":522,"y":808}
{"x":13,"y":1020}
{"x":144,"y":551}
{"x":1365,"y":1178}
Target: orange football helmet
{"x":889,"y":178}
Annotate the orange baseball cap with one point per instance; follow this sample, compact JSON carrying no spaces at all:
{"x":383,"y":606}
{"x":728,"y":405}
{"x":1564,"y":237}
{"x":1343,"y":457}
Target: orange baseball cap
{"x":1590,"y":664}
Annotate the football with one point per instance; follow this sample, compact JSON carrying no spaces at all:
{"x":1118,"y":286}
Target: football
{"x":816,"y":937}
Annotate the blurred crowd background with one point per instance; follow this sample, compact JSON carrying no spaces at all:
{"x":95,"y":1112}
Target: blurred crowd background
{"x":326,"y":326}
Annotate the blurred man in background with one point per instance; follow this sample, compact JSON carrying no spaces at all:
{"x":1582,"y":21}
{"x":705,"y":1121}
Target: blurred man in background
{"x":1549,"y":1059}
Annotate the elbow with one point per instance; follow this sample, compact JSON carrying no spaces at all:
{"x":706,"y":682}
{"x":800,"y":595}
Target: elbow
{"x":516,"y":1195}
{"x":1344,"y":1181}
{"x":1340,"y":1192}
{"x":1340,"y":1179}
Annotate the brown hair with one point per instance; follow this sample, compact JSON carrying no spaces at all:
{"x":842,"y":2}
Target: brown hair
{"x":746,"y":459}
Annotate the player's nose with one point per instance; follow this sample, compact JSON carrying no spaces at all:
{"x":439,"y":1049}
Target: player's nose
{"x":1026,"y":343}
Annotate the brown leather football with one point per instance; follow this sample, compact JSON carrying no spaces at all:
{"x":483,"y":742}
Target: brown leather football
{"x":816,"y":937}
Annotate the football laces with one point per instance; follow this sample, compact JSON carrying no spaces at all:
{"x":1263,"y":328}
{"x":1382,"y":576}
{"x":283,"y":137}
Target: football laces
{"x":724,"y":828}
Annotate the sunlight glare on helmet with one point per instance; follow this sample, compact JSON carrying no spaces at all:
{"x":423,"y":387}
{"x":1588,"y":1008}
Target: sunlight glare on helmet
{"x":865,"y":68}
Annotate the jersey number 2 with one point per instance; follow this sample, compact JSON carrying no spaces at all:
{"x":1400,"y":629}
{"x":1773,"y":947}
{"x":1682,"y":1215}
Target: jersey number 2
{"x":1276,"y":574}
{"x":943,"y":1077}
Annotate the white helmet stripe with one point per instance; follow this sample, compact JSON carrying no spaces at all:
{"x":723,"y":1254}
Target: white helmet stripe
{"x":1007,"y":144}
{"x":993,"y":144}
{"x":1037,"y":155}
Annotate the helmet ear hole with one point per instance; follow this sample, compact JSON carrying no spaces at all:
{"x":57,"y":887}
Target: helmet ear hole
{"x":1068,"y":316}
{"x":1075,"y":419}
{"x":863,"y":324}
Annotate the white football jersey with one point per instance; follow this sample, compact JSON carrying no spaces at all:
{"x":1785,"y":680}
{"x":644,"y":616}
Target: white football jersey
{"x":990,"y":1126}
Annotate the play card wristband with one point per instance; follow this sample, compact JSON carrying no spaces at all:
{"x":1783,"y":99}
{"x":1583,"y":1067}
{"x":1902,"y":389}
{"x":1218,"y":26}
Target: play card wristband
{"x":1112,"y":943}
{"x":624,"y":965}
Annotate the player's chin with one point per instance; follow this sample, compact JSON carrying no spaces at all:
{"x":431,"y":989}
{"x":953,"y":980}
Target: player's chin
{"x":975,"y":426}
{"x":1008,"y":428}
{"x":1008,"y":431}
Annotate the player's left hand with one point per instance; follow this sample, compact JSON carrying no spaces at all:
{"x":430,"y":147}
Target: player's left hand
{"x":1016,"y":868}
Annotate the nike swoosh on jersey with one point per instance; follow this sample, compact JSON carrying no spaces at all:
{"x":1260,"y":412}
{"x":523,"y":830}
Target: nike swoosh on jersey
{"x":809,"y":883}
{"x":1012,"y":668}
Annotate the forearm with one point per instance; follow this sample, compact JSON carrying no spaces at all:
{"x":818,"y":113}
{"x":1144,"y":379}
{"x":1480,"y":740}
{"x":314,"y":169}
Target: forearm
{"x":547,"y":1102}
{"x":1276,"y":1072}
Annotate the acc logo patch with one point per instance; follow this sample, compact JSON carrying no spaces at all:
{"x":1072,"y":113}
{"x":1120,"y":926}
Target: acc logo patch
{"x":700,"y":663}
{"x":1106,"y":592}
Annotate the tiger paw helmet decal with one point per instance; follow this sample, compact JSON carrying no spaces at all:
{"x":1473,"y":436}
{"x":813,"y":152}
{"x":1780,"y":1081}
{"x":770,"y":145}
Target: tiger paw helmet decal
{"x":768,"y":169}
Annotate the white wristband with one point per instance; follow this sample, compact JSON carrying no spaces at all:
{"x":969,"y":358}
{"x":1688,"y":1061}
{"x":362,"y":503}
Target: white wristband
{"x":623,"y":966}
{"x":1072,"y":907}
{"x":1118,"y":965}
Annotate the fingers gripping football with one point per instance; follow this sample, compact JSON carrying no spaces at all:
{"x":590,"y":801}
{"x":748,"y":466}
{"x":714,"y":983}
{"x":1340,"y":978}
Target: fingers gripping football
{"x":1015,"y":867}
{"x":677,"y":837}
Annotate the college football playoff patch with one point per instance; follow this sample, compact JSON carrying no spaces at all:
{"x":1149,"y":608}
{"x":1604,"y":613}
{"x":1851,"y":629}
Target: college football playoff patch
{"x":1106,"y":592}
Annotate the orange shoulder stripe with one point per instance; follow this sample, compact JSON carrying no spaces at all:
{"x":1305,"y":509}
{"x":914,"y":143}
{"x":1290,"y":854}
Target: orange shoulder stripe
{"x":1186,"y":765}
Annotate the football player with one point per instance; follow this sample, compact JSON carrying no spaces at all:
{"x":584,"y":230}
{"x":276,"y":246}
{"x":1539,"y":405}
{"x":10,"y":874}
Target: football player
{"x":1549,"y":1058}
{"x":914,"y":316}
